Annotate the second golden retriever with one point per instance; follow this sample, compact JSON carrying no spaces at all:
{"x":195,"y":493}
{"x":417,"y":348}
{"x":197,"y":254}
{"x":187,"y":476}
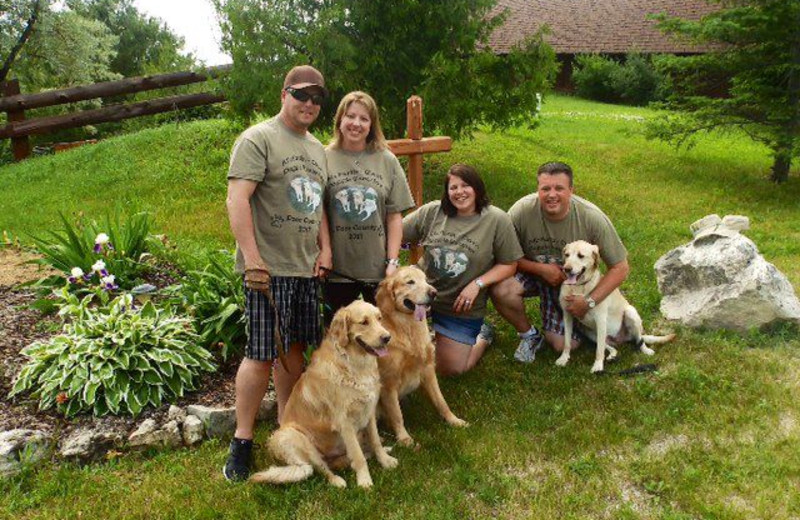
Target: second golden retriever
{"x":612,"y":320}
{"x":333,"y":402}
{"x":403,"y":299}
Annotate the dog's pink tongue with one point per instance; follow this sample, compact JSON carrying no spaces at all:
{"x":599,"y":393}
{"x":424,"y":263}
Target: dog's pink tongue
{"x":419,"y":312}
{"x":381,"y":351}
{"x":571,"y":279}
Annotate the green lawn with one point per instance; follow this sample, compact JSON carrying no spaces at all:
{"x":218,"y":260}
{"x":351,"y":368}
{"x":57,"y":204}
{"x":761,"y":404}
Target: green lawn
{"x":713,"y":434}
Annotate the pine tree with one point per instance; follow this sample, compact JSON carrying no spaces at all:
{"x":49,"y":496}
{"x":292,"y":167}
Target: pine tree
{"x":750,"y":80}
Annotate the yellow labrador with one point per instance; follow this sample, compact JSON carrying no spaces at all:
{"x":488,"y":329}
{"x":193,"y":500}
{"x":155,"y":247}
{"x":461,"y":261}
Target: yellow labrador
{"x":333,"y":402}
{"x":403,"y":299}
{"x":613,"y":320}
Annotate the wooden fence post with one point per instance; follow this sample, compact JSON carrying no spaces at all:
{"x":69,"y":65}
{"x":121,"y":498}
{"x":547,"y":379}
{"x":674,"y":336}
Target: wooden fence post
{"x":414,"y":125}
{"x":21,"y":145}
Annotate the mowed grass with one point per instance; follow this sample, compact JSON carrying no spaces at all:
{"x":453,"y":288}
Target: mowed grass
{"x":712,"y":434}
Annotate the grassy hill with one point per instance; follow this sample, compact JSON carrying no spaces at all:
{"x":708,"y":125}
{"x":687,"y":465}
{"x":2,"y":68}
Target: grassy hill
{"x":713,"y":434}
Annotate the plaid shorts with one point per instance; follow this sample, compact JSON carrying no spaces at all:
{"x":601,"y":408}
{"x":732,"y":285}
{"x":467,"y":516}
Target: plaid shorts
{"x":298,"y":311}
{"x":552,"y":315}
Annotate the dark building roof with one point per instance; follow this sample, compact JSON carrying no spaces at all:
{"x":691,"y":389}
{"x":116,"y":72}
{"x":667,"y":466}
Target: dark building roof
{"x":586,"y":26}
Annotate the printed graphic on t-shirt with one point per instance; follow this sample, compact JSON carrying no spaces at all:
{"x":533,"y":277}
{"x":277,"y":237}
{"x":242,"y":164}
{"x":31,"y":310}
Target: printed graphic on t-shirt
{"x":356,"y":203}
{"x":448,"y":262}
{"x":305,"y":194}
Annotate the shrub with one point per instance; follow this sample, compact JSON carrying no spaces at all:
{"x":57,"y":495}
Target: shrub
{"x":635,"y":81}
{"x":86,"y":250}
{"x":112,"y":356}
{"x":215,"y":298}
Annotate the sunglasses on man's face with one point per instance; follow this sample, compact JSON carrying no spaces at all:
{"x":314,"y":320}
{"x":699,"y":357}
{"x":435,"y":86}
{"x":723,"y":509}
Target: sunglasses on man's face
{"x":303,"y":96}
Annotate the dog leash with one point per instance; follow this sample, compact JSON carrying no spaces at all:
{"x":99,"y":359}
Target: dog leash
{"x":635,"y":370}
{"x":362,"y":283}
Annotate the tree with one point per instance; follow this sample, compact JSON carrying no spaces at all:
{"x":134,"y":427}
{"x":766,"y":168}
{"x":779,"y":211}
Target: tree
{"x":49,"y":49}
{"x":146,"y":45}
{"x":755,"y":61}
{"x":17,"y":20}
{"x":391,"y":49}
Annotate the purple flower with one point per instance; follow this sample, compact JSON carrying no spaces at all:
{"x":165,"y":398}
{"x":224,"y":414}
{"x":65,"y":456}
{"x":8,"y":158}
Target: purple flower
{"x":97,"y":248}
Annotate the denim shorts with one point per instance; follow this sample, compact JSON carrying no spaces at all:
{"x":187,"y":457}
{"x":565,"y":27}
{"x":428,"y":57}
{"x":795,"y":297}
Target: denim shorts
{"x":463,"y":330}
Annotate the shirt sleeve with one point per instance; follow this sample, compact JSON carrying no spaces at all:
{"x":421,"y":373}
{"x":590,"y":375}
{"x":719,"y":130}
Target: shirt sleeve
{"x":506,"y":243}
{"x":411,"y":231}
{"x":248,"y":160}
{"x":399,"y":197}
{"x":612,"y":250}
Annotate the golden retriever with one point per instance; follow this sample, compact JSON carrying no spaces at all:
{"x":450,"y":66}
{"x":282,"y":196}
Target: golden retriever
{"x":333,"y":402}
{"x":403,"y":299}
{"x":612,"y":320}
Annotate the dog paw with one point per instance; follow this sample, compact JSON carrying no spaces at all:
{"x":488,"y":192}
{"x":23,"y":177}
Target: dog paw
{"x":562,"y":361}
{"x":647,"y":350}
{"x":458,"y":423}
{"x":597,"y":368}
{"x":337,"y":481}
{"x":612,"y":353}
{"x":364,"y":481}
{"x":406,"y":440}
{"x":388,"y":462}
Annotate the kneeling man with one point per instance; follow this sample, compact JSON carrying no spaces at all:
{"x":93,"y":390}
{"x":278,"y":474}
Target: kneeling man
{"x":545,"y":222}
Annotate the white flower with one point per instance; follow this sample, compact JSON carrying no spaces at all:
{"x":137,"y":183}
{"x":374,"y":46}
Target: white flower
{"x":108,"y":280}
{"x":98,"y":266}
{"x":102,"y":239}
{"x":77,"y":272}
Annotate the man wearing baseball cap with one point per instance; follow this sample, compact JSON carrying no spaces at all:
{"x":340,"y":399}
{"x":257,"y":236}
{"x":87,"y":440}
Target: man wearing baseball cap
{"x":276,"y":181}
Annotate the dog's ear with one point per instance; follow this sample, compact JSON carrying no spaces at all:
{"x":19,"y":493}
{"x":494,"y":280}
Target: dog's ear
{"x":340,"y":326}
{"x":596,"y":255}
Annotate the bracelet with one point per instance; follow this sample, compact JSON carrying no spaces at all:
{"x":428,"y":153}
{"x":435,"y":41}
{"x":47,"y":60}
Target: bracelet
{"x":393,"y":261}
{"x":479,"y":283}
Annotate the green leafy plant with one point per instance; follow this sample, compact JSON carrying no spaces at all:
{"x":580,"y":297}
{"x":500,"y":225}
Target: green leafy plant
{"x":87,"y":249}
{"x":113,"y":357}
{"x":634,"y":81}
{"x":215,"y":298}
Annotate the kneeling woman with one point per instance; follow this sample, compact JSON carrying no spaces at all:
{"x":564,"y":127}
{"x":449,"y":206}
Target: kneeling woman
{"x":469,"y":245}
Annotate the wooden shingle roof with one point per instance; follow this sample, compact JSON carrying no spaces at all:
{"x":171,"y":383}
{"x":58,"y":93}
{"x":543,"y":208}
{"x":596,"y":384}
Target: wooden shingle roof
{"x":602,"y":26}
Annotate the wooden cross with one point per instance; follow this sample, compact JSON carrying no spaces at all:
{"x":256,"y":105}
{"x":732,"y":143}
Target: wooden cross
{"x":415,"y":146}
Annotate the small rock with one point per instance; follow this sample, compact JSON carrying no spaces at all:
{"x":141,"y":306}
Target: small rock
{"x":218,"y":422}
{"x":192,"y":430}
{"x":20,"y":447}
{"x":148,"y":434}
{"x":176,"y":413}
{"x":221,"y":422}
{"x":737,"y":222}
{"x":87,"y":444}
{"x":705,"y":223}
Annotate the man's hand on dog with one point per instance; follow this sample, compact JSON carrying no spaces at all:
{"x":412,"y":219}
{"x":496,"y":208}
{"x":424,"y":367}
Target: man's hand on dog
{"x":256,"y":277}
{"x":552,"y":274}
{"x":576,"y":305}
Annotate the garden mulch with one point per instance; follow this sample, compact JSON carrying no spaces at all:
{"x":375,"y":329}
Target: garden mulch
{"x":21,"y":325}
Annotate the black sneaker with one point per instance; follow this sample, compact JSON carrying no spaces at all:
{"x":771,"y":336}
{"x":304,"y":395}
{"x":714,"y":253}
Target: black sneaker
{"x":240,"y":459}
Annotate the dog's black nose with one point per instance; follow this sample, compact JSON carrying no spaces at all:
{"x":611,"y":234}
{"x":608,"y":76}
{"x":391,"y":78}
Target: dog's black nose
{"x":386,"y":339}
{"x":432,"y":293}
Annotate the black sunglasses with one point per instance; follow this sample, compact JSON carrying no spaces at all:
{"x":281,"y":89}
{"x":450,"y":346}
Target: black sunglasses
{"x":303,"y":96}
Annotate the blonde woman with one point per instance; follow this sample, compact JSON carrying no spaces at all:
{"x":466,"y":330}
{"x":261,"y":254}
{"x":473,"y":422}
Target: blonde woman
{"x":367,"y":191}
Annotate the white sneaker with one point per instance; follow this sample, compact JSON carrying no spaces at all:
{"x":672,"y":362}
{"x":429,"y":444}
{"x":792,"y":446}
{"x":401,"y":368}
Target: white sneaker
{"x":526,"y":351}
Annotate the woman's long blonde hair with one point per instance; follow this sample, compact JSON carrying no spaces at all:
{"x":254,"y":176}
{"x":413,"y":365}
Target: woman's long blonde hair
{"x":375,"y":138}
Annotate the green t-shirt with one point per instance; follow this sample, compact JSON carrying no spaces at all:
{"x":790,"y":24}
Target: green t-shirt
{"x":460,"y":249}
{"x":287,"y":203}
{"x":362,"y":189}
{"x":543,"y":240}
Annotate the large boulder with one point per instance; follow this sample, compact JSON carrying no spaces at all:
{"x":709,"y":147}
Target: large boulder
{"x":719,"y":280}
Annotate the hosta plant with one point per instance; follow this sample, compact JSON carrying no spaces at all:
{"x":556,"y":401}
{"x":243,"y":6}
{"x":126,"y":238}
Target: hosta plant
{"x":114,"y":358}
{"x":215,"y":298}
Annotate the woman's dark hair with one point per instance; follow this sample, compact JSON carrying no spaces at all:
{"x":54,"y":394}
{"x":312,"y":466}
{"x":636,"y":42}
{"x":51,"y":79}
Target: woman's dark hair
{"x":469,"y":175}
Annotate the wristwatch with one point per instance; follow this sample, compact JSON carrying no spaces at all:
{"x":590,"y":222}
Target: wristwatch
{"x":590,"y":302}
{"x":479,"y":283}
{"x":393,"y":261}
